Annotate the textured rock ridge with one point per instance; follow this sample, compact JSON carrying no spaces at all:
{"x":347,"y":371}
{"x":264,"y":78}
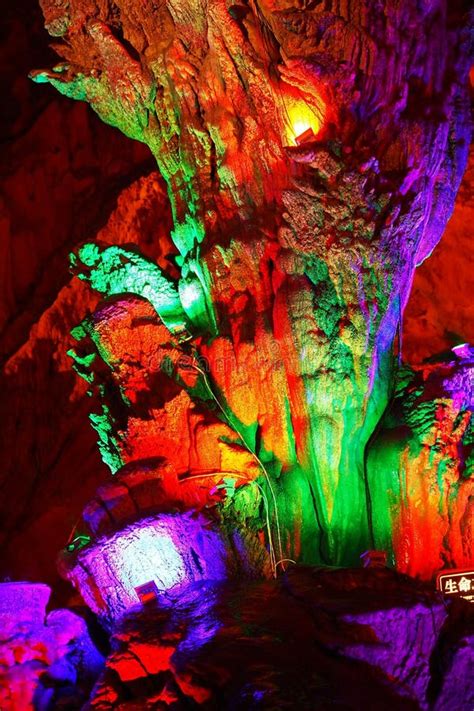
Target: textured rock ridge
{"x":421,"y":469}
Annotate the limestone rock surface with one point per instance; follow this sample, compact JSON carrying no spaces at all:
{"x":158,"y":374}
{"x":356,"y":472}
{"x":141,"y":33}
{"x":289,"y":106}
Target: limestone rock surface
{"x":47,"y":660}
{"x":294,"y":249}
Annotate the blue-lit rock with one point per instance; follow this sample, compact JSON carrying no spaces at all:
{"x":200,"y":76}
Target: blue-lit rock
{"x":47,"y":660}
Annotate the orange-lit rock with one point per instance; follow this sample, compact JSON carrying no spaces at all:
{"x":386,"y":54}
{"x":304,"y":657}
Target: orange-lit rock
{"x":298,"y":255}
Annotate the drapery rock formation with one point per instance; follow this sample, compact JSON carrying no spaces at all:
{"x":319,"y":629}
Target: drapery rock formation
{"x":420,"y":468}
{"x":439,"y":313}
{"x":312,"y":156}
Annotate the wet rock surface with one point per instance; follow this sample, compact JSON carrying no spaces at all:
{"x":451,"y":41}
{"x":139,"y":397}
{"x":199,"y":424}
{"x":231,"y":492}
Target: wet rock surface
{"x":313,"y":639}
{"x":48,"y":660}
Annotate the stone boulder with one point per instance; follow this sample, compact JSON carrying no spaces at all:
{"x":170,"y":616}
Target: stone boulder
{"x":47,"y":660}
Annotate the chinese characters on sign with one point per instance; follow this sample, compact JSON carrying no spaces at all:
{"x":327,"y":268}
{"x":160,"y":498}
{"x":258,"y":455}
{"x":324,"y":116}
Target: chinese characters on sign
{"x":456,"y":583}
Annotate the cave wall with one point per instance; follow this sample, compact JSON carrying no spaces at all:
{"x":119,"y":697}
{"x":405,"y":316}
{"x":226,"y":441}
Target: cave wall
{"x":440,"y":311}
{"x":62,"y":172}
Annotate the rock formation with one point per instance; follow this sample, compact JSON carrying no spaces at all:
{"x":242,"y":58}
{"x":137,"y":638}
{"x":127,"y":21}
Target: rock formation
{"x":439,"y":313}
{"x":311,"y":156}
{"x":420,"y":469}
{"x":241,"y":344}
{"x":47,"y":660}
{"x":61,"y":172}
{"x":311,"y":639}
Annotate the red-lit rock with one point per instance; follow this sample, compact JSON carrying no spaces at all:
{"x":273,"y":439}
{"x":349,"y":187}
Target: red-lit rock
{"x":313,"y":639}
{"x":421,"y":469}
{"x":61,"y":173}
{"x":304,"y":253}
{"x":440,"y":311}
{"x":46,"y":660}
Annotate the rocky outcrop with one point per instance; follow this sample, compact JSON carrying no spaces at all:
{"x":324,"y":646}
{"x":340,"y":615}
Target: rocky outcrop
{"x":453,"y":662}
{"x":421,"y":469}
{"x":167,"y":551}
{"x":313,"y":638}
{"x":61,"y":173}
{"x":439,"y":312}
{"x":47,"y":660}
{"x":295,"y":251}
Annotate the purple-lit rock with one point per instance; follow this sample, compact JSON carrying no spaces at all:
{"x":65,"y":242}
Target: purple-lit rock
{"x":452,"y":686}
{"x":22,"y":605}
{"x":403,"y":639}
{"x":313,"y":639}
{"x":171,"y":550}
{"x":46,"y":660}
{"x":460,"y":383}
{"x":457,"y":692}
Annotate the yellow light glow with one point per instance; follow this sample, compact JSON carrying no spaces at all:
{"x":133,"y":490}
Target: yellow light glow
{"x":300,"y":118}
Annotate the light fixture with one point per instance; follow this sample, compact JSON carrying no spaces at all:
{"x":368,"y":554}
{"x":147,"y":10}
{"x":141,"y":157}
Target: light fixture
{"x":303,"y":121}
{"x":304,"y":137}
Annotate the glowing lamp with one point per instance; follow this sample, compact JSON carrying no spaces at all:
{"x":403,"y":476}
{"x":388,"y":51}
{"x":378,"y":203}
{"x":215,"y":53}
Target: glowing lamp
{"x":307,"y":135}
{"x":304,"y":121}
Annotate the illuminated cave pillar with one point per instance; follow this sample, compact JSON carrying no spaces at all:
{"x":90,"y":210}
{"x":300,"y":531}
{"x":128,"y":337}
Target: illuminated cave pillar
{"x":301,"y":245}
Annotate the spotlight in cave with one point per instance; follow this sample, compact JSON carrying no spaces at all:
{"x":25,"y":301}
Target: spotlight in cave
{"x":304,"y":118}
{"x":284,"y":489}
